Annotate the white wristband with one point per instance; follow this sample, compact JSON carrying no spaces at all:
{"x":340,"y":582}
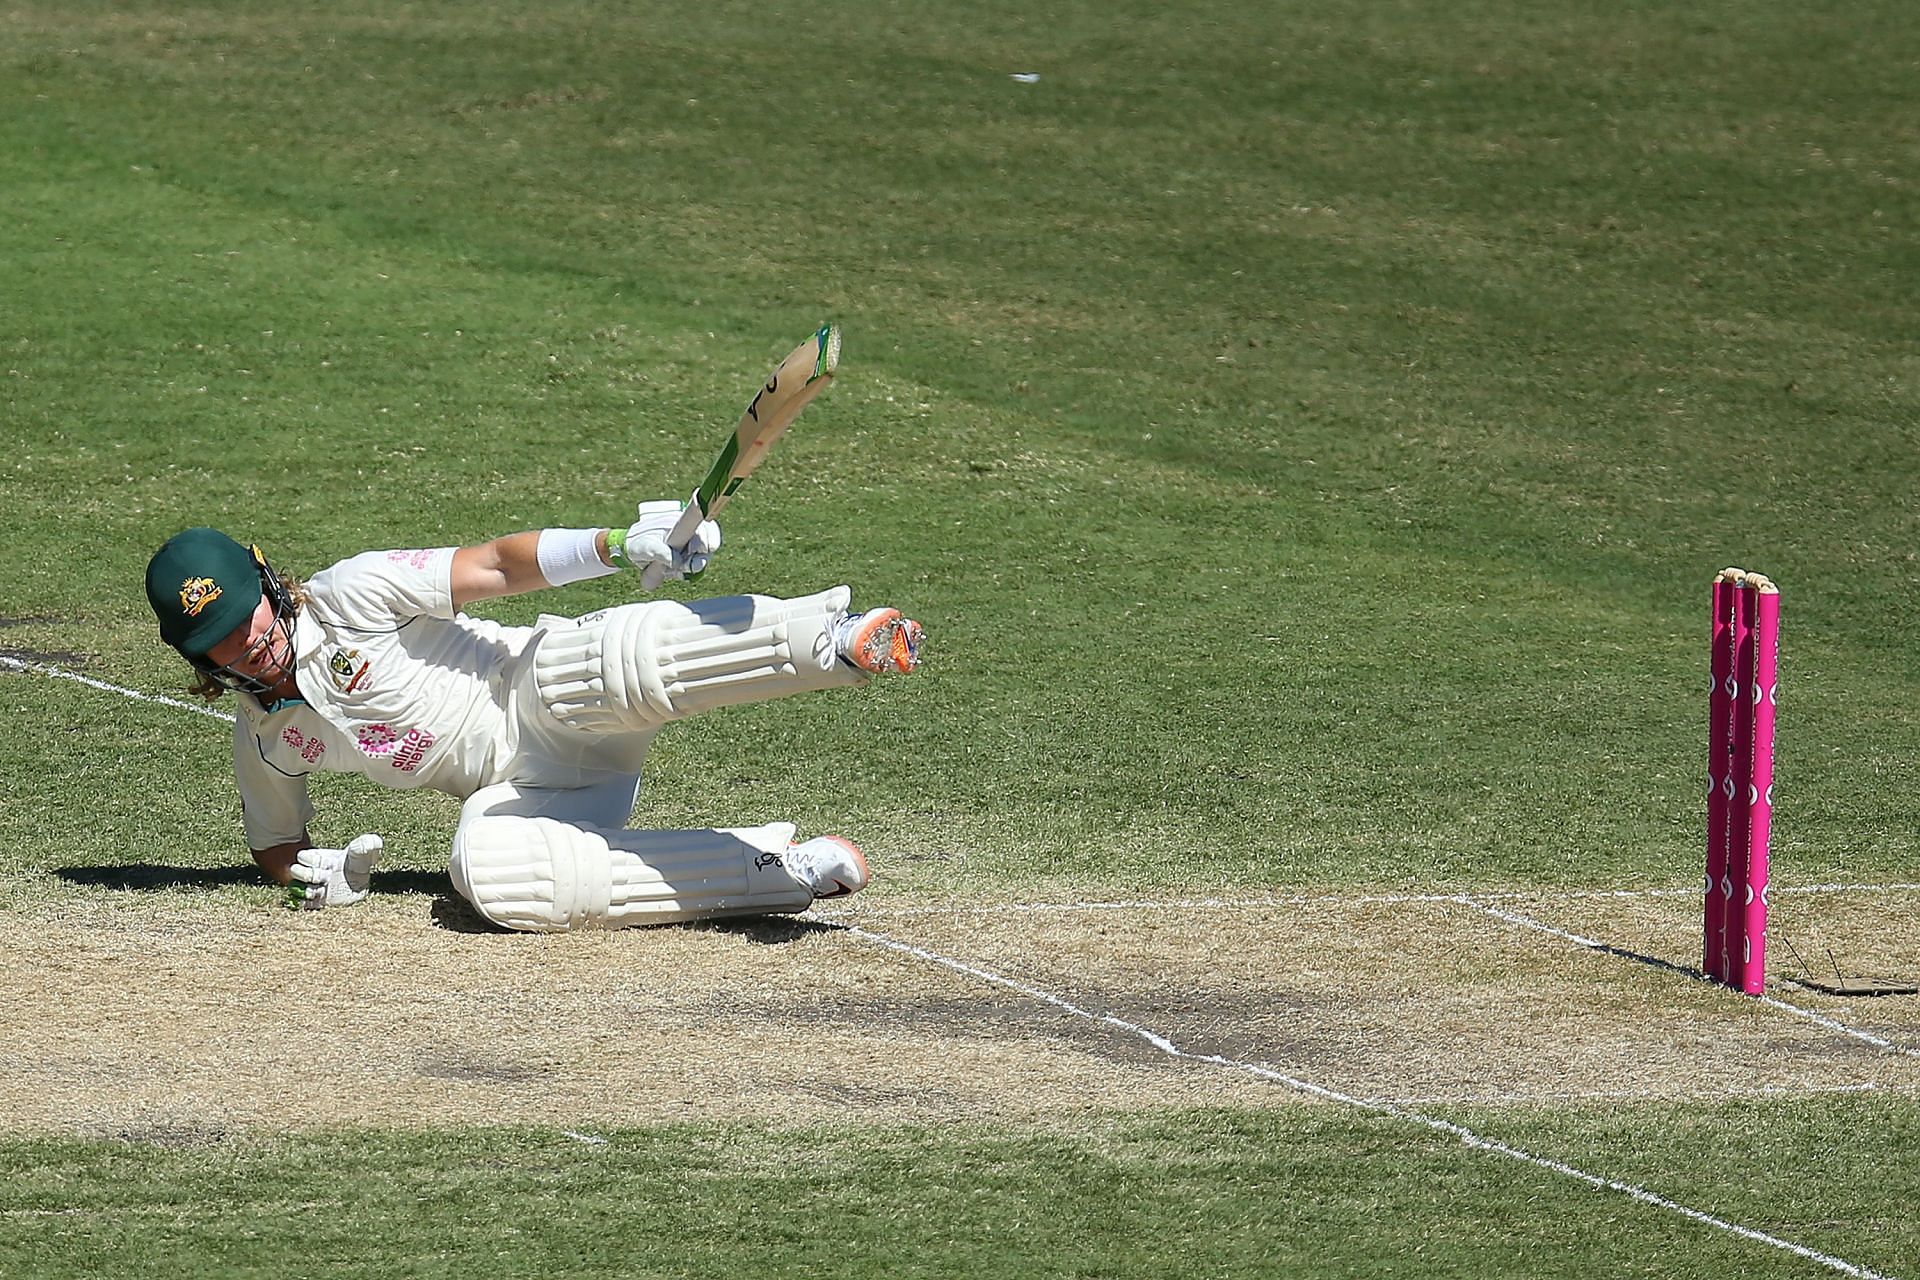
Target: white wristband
{"x":570,"y":555}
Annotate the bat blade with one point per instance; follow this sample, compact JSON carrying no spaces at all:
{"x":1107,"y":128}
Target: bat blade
{"x":789,"y":389}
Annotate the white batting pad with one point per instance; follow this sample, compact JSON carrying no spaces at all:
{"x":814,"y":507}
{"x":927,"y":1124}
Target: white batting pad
{"x":547,"y":876}
{"x":634,"y":668}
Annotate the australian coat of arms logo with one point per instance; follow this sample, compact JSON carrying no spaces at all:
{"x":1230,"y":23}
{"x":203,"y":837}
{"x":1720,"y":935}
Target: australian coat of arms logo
{"x":197,"y":593}
{"x":348,"y":669}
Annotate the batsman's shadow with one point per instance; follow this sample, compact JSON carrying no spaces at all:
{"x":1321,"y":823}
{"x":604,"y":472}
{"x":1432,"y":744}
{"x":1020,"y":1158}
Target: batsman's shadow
{"x":450,"y":911}
{"x":768,"y":931}
{"x":151,"y":877}
{"x":1652,"y":962}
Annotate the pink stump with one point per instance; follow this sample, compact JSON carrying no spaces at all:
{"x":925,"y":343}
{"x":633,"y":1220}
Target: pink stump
{"x":1740,"y":780}
{"x":1763,"y":700}
{"x":1719,"y":782}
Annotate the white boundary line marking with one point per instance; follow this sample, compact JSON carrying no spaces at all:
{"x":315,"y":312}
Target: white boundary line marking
{"x":61,"y":673}
{"x":1465,"y":1135}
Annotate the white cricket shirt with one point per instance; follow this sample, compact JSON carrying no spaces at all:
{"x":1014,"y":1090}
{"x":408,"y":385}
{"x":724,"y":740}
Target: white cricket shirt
{"x":399,"y":688}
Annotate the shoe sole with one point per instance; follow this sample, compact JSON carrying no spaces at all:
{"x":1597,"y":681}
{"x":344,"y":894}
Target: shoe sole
{"x":886,"y":643}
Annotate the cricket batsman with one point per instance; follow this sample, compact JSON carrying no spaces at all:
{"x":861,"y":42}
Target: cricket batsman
{"x":371,"y":667}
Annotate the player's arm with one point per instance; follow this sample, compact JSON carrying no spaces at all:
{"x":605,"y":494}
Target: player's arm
{"x":541,"y":558}
{"x":510,"y":566}
{"x":277,"y":860}
{"x":322,"y":877}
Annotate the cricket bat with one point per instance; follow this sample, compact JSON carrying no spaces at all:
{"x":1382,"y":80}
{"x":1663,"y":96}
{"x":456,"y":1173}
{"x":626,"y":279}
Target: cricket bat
{"x":790,"y":388}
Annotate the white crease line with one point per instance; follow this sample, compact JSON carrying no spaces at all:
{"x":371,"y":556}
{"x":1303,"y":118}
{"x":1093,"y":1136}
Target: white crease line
{"x":1174,"y":904}
{"x":1461,"y":1132}
{"x":853,"y":910}
{"x":60,"y":673}
{"x":1774,"y":889}
{"x":1693,"y":892}
{"x":1528,"y":922}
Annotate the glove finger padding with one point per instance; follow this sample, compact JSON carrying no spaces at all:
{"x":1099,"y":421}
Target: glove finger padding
{"x":647,"y":551}
{"x":316,"y":866}
{"x":701,"y":546}
{"x":645,"y":545}
{"x":309,"y":877}
{"x":363,"y":854}
{"x":333,"y":877}
{"x":691,"y":560}
{"x":658,"y":516}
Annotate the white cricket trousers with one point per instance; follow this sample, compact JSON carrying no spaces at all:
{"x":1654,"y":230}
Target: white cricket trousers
{"x":547,"y":848}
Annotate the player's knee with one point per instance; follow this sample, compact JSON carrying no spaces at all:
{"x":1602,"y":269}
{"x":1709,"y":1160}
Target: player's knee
{"x":533,"y":874}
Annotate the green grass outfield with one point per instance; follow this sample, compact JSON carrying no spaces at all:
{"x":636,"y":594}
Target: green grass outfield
{"x":1306,"y":431}
{"x":1190,"y":1194}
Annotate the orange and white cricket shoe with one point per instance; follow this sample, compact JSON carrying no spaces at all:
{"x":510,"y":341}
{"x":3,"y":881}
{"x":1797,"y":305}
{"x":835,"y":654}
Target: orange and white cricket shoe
{"x":883,"y":641}
{"x":831,"y":866}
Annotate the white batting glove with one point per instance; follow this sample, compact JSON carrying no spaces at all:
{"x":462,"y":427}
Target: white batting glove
{"x":645,"y":546}
{"x":334,"y":877}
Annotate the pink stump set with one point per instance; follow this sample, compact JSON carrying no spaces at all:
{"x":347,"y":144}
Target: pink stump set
{"x":1745,"y":665}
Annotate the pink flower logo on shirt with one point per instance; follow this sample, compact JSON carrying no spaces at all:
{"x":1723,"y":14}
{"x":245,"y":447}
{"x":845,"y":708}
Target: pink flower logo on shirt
{"x":416,"y":559}
{"x":407,"y":751}
{"x":378,"y":739}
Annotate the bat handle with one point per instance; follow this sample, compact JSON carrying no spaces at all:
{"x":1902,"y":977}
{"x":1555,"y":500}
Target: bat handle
{"x":690,"y":517}
{"x":682,"y":533}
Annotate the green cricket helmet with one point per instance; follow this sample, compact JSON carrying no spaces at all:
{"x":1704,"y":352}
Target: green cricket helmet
{"x":202,"y":585}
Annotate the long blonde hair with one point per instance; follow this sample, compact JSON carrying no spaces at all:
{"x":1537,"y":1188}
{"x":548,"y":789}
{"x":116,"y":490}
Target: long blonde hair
{"x":205,"y":686}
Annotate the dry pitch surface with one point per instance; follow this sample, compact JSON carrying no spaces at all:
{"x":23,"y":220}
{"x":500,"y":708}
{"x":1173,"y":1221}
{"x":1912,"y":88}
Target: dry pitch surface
{"x":173,"y":1015}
